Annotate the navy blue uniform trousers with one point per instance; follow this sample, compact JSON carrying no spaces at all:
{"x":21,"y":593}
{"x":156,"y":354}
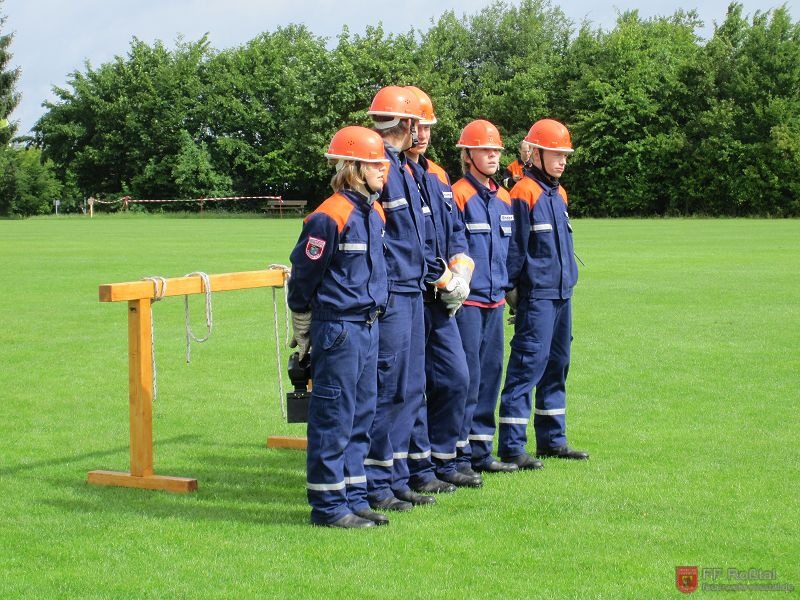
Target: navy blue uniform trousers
{"x":340,"y":411}
{"x":482,"y":338}
{"x":540,"y":354}
{"x":438,"y":427}
{"x":401,"y":391}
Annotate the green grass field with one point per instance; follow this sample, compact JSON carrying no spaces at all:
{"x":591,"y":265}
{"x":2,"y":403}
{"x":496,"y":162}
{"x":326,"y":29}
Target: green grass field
{"x":684,"y":387}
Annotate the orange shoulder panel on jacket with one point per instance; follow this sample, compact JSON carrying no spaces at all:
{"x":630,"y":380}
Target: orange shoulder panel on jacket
{"x":439,"y":172}
{"x":563,"y":193}
{"x":338,"y":208}
{"x":527,"y":189}
{"x":502,"y":194}
{"x":462,"y":191}
{"x":515,"y":168}
{"x":379,"y":208}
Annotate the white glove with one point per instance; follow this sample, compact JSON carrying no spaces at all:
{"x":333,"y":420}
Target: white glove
{"x":445,"y":279}
{"x":301,"y":328}
{"x":463,"y":266}
{"x":454,"y":297}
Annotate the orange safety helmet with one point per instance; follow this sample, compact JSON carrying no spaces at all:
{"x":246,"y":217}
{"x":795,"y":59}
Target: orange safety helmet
{"x":548,"y":134}
{"x":395,"y":101}
{"x":426,"y":106}
{"x":480,"y":134}
{"x":356,"y":143}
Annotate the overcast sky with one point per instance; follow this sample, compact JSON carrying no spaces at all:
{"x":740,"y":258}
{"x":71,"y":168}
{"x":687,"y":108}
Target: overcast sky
{"x":53,"y":38}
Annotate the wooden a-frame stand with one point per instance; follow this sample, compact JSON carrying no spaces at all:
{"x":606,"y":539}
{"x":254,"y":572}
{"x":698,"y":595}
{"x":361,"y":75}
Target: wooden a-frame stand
{"x":140,"y":295}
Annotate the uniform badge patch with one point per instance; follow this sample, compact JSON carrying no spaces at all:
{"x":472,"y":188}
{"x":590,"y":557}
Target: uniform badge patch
{"x":314,"y":248}
{"x":686,"y":579}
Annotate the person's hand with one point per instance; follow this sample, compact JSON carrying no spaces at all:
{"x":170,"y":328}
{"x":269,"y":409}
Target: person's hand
{"x":454,"y":297}
{"x":301,"y":329}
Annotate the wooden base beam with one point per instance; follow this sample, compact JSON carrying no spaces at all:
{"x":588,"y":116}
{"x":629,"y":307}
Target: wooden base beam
{"x":180,"y":485}
{"x":293,"y":443}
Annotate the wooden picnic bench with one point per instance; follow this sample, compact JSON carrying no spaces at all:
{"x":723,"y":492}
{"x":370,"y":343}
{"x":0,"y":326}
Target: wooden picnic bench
{"x":280,"y":206}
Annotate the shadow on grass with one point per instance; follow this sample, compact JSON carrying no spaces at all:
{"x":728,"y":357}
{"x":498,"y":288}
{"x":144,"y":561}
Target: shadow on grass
{"x":64,"y":460}
{"x":236,"y":483}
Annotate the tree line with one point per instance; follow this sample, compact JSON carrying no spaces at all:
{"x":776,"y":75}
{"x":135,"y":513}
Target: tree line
{"x":663,"y":121}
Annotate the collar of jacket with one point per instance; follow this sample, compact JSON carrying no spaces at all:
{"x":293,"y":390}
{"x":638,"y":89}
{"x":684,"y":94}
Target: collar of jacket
{"x":536,"y":173}
{"x":487,"y":193}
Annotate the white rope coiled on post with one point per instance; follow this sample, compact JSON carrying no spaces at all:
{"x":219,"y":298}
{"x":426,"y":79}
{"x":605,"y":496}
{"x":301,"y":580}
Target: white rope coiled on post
{"x":206,"y":284}
{"x":159,"y":291}
{"x":287,"y":273}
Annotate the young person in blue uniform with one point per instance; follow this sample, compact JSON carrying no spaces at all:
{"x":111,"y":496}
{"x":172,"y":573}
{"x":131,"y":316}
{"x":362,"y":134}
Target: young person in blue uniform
{"x":337,"y":288}
{"x":395,"y":112}
{"x":432,"y":452}
{"x":485,"y":209}
{"x":542,"y":271}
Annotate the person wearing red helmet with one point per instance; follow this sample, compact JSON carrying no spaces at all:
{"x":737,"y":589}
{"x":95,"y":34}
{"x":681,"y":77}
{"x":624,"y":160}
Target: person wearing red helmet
{"x":485,"y":209}
{"x":395,"y":113}
{"x":432,"y":452}
{"x":337,"y":288}
{"x":542,"y":272}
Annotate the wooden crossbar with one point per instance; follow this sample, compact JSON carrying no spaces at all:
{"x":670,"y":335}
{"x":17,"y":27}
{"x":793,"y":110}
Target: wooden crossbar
{"x":180,"y":286}
{"x":140,"y":295}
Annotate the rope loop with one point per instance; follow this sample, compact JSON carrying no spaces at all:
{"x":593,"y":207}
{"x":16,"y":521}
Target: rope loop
{"x":206,"y":286}
{"x":287,"y":273}
{"x":159,"y":291}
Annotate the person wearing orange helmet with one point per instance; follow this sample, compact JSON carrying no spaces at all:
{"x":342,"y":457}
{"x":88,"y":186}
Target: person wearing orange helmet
{"x":432,"y":452}
{"x":485,"y":209}
{"x":395,"y":113}
{"x":337,"y":288}
{"x":542,"y":271}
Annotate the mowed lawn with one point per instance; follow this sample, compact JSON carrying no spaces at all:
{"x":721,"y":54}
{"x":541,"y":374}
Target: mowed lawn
{"x":684,"y":388}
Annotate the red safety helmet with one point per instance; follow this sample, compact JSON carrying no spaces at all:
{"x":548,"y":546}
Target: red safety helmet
{"x":426,"y":106}
{"x":550,"y":135}
{"x":356,"y":143}
{"x":395,"y":101}
{"x":480,"y":134}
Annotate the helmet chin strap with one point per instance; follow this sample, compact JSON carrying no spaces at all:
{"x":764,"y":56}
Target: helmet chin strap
{"x":541,"y":161}
{"x":474,"y":166}
{"x":414,"y":137}
{"x":541,"y":167}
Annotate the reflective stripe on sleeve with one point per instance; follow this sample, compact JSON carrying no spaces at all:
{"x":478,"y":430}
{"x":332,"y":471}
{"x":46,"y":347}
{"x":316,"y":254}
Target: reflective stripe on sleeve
{"x":325,"y":487}
{"x":474,"y":227}
{"x":353,"y":247}
{"x":513,"y":421}
{"x":426,"y":210}
{"x":542,"y":227}
{"x":550,"y":411}
{"x":396,"y":203}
